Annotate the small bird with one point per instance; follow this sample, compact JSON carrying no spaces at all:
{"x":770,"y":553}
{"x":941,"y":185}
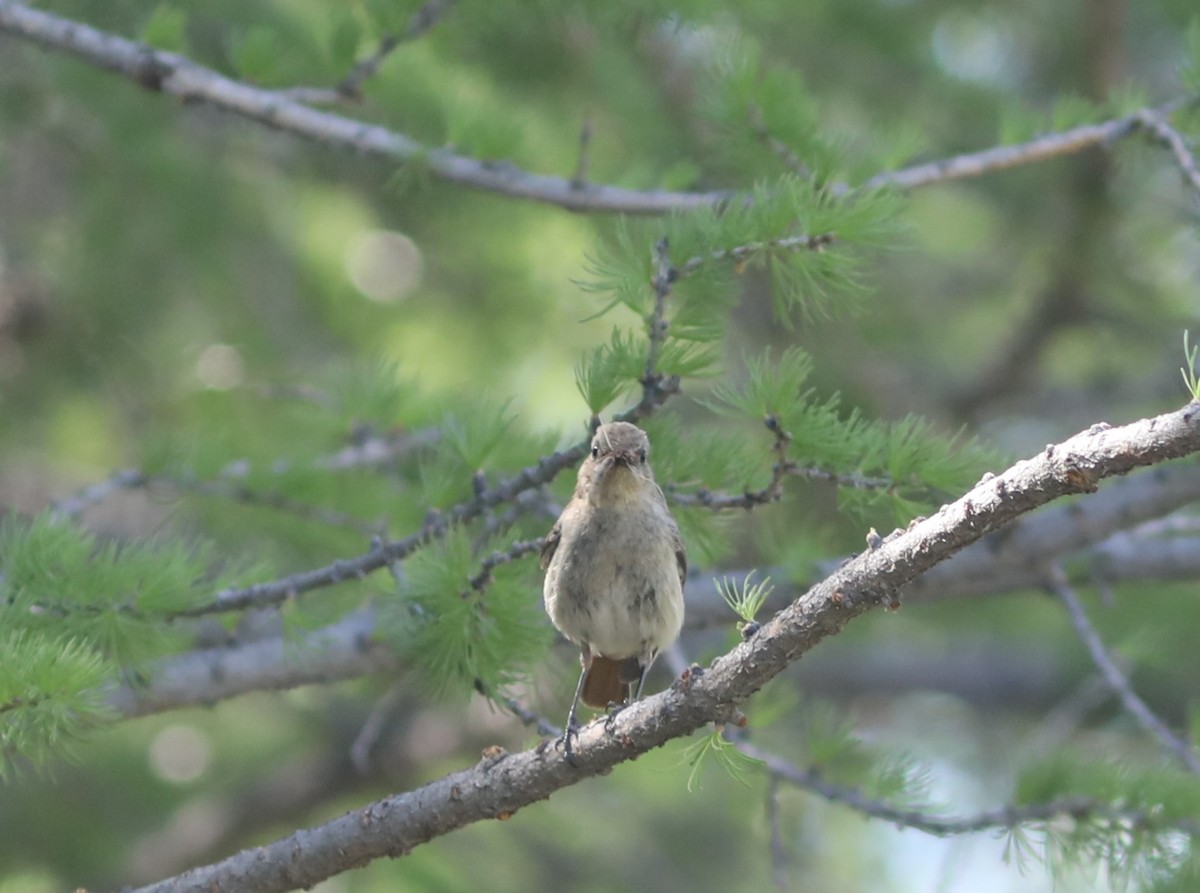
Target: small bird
{"x":615,"y":567}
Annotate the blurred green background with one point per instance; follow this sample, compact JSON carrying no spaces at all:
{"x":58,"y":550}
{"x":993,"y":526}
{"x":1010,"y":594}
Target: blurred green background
{"x":182,"y":288}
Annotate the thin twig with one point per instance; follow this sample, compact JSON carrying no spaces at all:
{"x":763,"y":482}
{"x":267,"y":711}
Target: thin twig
{"x":1156,"y":125}
{"x":1116,"y":680}
{"x":368,"y":452}
{"x":515,"y":551}
{"x":430,"y":13}
{"x":740,"y":253}
{"x":372,"y":729}
{"x":579,"y":178}
{"x":1001,"y":818}
{"x":657,"y":325}
{"x":778,"y":852}
{"x":94,"y":494}
{"x":778,"y":147}
{"x":527,"y":717}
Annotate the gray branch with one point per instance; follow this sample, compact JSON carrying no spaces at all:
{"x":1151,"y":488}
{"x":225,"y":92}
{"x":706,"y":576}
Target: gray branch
{"x":502,"y":783}
{"x":189,"y":81}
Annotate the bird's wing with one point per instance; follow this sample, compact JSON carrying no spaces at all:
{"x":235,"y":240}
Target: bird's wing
{"x":680,"y":554}
{"x":551,"y":544}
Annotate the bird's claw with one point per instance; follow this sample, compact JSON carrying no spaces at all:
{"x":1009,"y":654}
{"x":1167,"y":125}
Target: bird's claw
{"x":571,"y":731}
{"x":614,"y":710}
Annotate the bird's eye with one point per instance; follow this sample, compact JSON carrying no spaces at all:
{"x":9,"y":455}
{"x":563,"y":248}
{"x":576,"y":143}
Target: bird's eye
{"x":595,"y":452}
{"x":641,"y":455}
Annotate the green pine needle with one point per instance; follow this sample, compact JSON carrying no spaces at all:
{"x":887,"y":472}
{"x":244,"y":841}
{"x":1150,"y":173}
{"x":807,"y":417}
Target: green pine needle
{"x":715,"y":746}
{"x":1191,"y":379}
{"x":50,"y":692}
{"x":611,"y":370}
{"x":746,"y":599}
{"x":114,"y":597}
{"x":455,"y":635}
{"x":476,"y":430}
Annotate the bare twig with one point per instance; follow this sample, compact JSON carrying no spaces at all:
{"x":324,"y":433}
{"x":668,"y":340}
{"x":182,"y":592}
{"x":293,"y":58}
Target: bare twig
{"x":178,"y":76}
{"x":94,"y":494}
{"x":657,"y":325}
{"x":515,"y":551}
{"x":368,"y":452}
{"x":740,"y":253}
{"x":579,"y":178}
{"x":1041,"y":148}
{"x":781,"y":470}
{"x":527,"y":717}
{"x":502,"y":783}
{"x":430,"y":13}
{"x":1116,"y":680}
{"x":372,"y":729}
{"x":778,"y":147}
{"x":1005,"y":817}
{"x":778,"y":852}
{"x":1156,"y":125}
{"x":436,"y":526}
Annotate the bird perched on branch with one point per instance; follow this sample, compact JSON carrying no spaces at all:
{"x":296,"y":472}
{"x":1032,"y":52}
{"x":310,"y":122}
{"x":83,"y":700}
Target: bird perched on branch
{"x":615,"y":567}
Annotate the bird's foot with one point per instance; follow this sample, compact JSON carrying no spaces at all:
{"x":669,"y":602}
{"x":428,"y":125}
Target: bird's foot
{"x":571,"y":731}
{"x":614,"y":710}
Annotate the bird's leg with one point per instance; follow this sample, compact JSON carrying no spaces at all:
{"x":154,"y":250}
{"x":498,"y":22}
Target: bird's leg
{"x":585,"y":659}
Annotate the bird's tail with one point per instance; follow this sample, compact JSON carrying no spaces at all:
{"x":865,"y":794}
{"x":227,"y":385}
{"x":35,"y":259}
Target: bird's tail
{"x":607,"y":681}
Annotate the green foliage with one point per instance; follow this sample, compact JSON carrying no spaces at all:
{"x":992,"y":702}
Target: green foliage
{"x":344,"y":39}
{"x":456,"y":635}
{"x":764,"y":116}
{"x":902,"y":464}
{"x":165,"y":28}
{"x":715,"y":747}
{"x":705,"y":534}
{"x":1191,"y":380}
{"x":610,"y":370}
{"x":115,"y":598}
{"x":813,"y":243}
{"x":376,"y":393}
{"x":50,"y":692}
{"x":1189,"y":75}
{"x":899,"y":780}
{"x":716,"y":458}
{"x":770,"y":389}
{"x":1072,"y":111}
{"x":621,"y":265}
{"x":1141,"y":851}
{"x":256,"y":53}
{"x":746,"y":599}
{"x":475,"y":431}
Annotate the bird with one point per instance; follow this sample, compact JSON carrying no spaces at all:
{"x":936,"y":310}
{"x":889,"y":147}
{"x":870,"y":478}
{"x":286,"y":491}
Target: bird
{"x":614,"y":567}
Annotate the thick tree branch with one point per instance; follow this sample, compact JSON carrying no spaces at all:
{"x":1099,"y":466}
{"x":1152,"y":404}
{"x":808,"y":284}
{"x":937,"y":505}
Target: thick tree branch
{"x":347,"y":649}
{"x":180,"y":77}
{"x":502,"y":783}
